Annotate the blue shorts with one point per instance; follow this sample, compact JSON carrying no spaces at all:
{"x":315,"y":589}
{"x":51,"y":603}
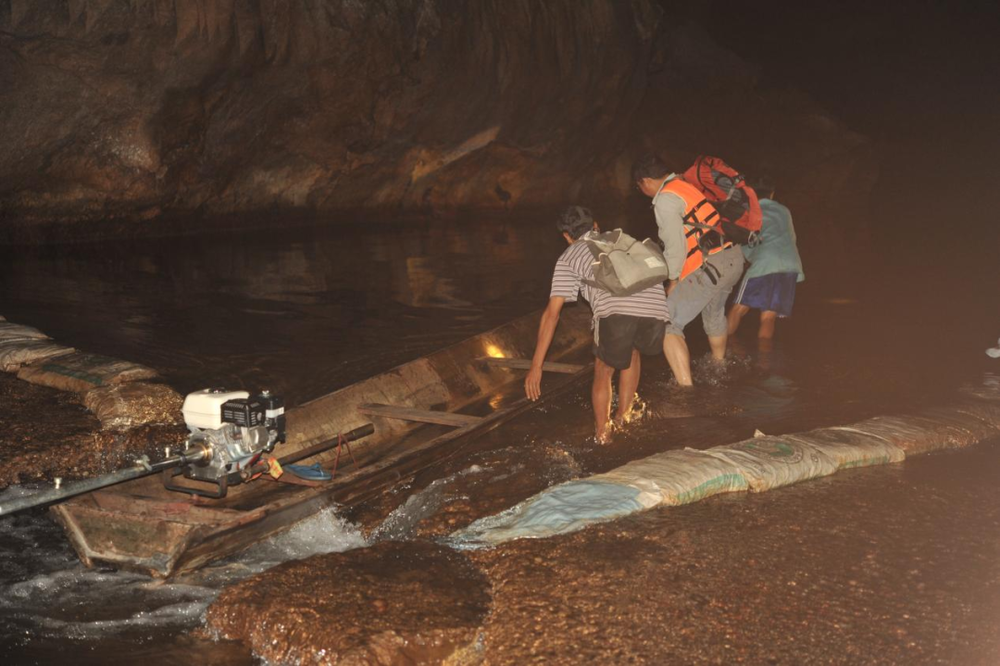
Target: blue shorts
{"x":774,"y":292}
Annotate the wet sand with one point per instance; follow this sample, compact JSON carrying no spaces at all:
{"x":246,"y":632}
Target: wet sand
{"x":895,"y":564}
{"x":891,"y":564}
{"x":393,"y":603}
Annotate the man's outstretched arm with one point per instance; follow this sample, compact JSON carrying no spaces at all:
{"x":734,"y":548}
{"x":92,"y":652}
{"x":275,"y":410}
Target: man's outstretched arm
{"x":546,"y":331}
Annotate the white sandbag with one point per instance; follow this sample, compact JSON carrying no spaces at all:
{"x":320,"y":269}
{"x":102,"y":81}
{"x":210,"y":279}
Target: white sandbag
{"x":986,"y":411}
{"x":849,"y":447}
{"x":907,"y":433}
{"x":82,"y":372}
{"x":11,"y":331}
{"x":670,"y":478}
{"x":123,"y":406}
{"x":963,"y":426}
{"x":679,"y":477}
{"x":935,"y":429}
{"x":564,"y":508}
{"x":15,"y":353}
{"x":773,"y":462}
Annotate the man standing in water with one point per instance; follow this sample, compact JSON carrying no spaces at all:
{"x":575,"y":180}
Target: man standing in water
{"x":775,"y":269}
{"x":703,"y":266}
{"x":624,"y":326}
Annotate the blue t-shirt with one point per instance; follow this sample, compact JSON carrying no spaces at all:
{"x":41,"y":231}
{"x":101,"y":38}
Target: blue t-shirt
{"x":776,"y":251}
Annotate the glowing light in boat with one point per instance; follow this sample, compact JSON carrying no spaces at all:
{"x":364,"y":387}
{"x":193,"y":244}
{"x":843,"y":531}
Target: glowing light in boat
{"x":494,"y":352}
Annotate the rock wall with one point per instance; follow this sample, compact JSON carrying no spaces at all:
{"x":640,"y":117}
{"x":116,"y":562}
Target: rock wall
{"x":139,"y":109}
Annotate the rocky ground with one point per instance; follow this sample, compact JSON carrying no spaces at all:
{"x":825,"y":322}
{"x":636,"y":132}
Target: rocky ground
{"x":126,"y":119}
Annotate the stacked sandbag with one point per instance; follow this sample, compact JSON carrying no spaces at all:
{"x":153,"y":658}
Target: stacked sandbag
{"x":762,"y":463}
{"x":670,"y":478}
{"x":82,"y":372}
{"x":987,"y":411}
{"x":12,"y":331}
{"x":850,"y":447}
{"x":932,"y":430}
{"x":772,"y":462}
{"x":124,"y":406}
{"x":21,"y":345}
{"x":679,"y":477}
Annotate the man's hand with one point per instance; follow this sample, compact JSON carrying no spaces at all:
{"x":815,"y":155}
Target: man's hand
{"x":533,"y":383}
{"x":546,"y":329}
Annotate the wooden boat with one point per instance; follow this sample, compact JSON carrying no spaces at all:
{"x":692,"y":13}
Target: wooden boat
{"x":422,"y":411}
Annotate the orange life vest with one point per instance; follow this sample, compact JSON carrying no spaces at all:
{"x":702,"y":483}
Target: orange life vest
{"x":700,"y":218}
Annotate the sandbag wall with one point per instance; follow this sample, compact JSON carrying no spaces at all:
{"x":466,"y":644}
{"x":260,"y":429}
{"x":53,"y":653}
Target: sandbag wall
{"x":762,"y":463}
{"x":138,"y":415}
{"x":119,"y":393}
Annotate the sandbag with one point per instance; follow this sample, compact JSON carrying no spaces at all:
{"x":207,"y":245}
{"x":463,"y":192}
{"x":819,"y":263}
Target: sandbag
{"x":564,"y":508}
{"x":10,"y":331}
{"x":679,"y":477}
{"x":773,"y":462}
{"x":925,"y":433}
{"x":82,"y":372}
{"x":986,"y":411}
{"x":15,"y":353}
{"x":851,"y":448}
{"x":963,"y":427}
{"x":123,"y":406}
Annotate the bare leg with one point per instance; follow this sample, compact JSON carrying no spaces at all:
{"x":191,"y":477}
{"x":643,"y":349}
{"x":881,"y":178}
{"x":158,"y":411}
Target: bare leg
{"x":767,"y":320}
{"x":735,"y":316}
{"x":628,"y":382}
{"x":675,"y":349}
{"x":600,"y":398}
{"x":718,"y":345}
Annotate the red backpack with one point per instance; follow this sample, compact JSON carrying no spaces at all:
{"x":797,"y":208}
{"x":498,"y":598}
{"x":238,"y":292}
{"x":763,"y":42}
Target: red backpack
{"x":727,"y":190}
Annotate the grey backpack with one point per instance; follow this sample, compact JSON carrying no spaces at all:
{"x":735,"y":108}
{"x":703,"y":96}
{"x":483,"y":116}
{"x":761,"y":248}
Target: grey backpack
{"x":622,"y":265}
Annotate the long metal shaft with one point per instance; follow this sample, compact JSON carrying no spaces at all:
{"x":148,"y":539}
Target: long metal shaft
{"x":57,"y":494}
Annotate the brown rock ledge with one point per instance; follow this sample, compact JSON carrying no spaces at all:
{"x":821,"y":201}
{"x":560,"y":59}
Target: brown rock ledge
{"x":393,"y":603}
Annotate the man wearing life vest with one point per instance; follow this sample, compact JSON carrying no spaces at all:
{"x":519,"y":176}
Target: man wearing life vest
{"x":703,"y":267}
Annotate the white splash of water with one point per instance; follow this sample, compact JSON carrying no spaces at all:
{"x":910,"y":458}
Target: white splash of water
{"x":47,"y":592}
{"x":421,"y":504}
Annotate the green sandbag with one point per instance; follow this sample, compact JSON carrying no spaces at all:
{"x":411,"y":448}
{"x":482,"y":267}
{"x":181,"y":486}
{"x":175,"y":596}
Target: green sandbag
{"x":773,"y":462}
{"x":850,"y":447}
{"x":82,"y":372}
{"x":679,"y":477}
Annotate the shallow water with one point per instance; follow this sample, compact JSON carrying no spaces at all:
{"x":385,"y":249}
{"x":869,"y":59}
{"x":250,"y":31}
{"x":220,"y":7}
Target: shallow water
{"x":308,"y":312}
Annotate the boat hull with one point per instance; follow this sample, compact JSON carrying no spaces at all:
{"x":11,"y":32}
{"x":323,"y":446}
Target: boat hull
{"x":140,"y":526}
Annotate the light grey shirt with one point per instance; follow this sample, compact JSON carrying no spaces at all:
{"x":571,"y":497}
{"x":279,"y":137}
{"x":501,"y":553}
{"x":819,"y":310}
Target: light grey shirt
{"x":669,"y":210}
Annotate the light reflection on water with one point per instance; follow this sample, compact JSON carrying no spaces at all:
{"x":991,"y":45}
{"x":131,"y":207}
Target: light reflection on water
{"x":301,"y":313}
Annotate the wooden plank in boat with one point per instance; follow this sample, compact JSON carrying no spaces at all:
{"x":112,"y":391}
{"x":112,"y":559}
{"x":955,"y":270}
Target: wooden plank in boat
{"x":421,"y":415}
{"x":359,"y":485}
{"x":525,"y":364}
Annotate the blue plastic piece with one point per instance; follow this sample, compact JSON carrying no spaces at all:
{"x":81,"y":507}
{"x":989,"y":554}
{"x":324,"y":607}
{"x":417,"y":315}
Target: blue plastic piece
{"x":312,"y":472}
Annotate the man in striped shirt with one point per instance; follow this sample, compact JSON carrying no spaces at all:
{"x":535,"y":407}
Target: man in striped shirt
{"x":624,"y":326}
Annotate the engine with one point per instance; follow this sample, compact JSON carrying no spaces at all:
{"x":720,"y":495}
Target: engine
{"x":230,"y":431}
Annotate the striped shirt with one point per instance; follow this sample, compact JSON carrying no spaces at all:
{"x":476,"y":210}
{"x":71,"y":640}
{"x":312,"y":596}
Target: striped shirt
{"x":576,"y":265}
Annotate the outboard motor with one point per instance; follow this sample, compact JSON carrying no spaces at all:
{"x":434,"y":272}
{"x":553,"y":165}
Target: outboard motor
{"x":231,"y":436}
{"x":230,"y":431}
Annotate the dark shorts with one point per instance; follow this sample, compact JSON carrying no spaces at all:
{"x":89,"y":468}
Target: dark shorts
{"x":618,"y":335}
{"x":774,"y":292}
